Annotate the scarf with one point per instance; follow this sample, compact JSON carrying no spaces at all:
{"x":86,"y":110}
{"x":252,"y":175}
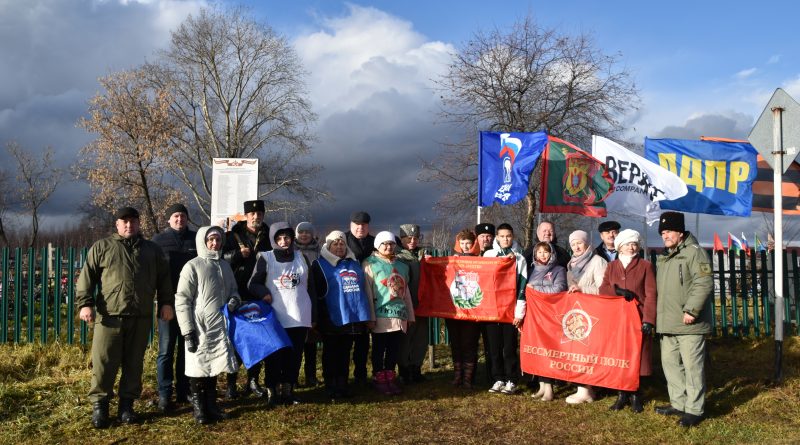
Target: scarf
{"x":577,"y":265}
{"x":625,"y":259}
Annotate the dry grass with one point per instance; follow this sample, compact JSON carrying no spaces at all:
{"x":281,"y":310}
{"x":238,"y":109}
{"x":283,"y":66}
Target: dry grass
{"x":43,"y":400}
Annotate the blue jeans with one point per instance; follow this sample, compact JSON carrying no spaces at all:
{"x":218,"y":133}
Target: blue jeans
{"x":170,"y":339}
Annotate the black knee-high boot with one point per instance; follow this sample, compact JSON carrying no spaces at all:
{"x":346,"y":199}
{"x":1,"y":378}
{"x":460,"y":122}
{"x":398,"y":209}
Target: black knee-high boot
{"x":212,"y":408}
{"x":197,"y":387}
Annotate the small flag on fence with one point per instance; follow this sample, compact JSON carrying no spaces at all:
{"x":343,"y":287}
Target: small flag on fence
{"x":718,"y":243}
{"x":760,"y":247}
{"x":744,"y":245}
{"x":734,"y":243}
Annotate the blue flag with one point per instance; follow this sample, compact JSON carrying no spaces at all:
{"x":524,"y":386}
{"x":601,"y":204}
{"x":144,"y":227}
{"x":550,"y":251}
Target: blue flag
{"x":719,"y":175}
{"x":505,"y":163}
{"x":255,"y":332}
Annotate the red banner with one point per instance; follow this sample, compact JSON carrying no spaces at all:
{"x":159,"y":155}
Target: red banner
{"x":468,"y":288}
{"x":589,"y":339}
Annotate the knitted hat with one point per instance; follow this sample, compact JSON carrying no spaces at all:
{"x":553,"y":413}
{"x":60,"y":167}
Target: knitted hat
{"x":126,"y":212}
{"x":214,"y":230}
{"x":671,"y":221}
{"x":175,"y":208}
{"x":360,"y":217}
{"x":579,"y":235}
{"x":484,"y":228}
{"x":333,"y":236}
{"x":256,"y":205}
{"x":607,"y":226}
{"x":382,"y":237}
{"x":305,"y":226}
{"x":409,"y":230}
{"x":625,"y":237}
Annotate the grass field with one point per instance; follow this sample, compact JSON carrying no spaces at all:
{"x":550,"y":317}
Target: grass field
{"x":43,"y":400}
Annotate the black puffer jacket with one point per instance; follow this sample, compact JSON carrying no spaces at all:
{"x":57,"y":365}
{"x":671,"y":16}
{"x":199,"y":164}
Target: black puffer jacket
{"x":179,"y":248}
{"x":243,"y":267}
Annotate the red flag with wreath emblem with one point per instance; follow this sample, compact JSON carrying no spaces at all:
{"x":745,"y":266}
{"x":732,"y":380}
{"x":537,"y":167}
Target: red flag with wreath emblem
{"x":587,"y":339}
{"x":468,"y":288}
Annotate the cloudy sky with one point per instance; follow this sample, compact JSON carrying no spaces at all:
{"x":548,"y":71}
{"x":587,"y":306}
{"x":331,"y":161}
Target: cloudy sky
{"x":701,"y":70}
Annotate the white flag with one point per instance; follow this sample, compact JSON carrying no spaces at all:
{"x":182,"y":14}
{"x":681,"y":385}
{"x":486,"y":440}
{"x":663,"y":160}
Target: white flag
{"x":639,"y":184}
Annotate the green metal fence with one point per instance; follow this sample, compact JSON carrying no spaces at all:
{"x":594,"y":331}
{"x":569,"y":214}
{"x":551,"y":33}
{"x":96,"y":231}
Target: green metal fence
{"x":37,"y":292}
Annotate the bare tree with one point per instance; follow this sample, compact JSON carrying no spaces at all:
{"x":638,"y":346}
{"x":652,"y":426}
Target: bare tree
{"x":526,"y":79}
{"x":128,"y":162}
{"x":37,"y":179}
{"x":238,"y":92}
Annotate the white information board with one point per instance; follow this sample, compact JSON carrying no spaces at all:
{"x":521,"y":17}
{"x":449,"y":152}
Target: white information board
{"x":233,"y":181}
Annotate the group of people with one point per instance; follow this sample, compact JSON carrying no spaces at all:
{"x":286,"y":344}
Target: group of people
{"x":352,"y":288}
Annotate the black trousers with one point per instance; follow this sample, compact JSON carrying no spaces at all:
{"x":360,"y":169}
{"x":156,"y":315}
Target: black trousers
{"x":386,"y":350}
{"x":283,"y":365}
{"x":503,"y":351}
{"x":463,"y":340}
{"x":360,"y":355}
{"x":336,"y":357}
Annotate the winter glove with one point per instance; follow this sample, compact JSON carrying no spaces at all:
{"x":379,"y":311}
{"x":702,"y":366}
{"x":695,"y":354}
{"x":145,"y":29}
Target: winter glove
{"x":648,"y":329}
{"x":233,"y":304}
{"x":191,"y":341}
{"x":629,"y":296}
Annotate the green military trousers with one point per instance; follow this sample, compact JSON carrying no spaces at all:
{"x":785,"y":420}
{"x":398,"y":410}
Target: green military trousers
{"x":683,"y":360}
{"x":118,"y":341}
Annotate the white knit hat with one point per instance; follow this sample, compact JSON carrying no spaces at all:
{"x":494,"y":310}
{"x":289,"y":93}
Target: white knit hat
{"x":333,"y":236}
{"x":625,"y":237}
{"x":579,"y":235}
{"x":383,"y":237}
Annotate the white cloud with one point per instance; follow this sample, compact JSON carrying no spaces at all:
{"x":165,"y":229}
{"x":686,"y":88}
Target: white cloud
{"x":775,"y":58}
{"x":792,"y":87}
{"x":744,"y":74}
{"x":365,"y":52}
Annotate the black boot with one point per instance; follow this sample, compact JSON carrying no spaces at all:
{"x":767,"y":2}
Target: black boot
{"x":342,"y":388}
{"x":287,"y":395}
{"x":126,"y":413}
{"x":198,"y":399}
{"x":416,"y":374}
{"x":636,"y":402}
{"x":252,"y":381}
{"x":405,"y":374}
{"x":212,"y":409}
{"x":100,"y":414}
{"x":273,"y":396}
{"x":230,"y":392}
{"x":622,"y":400}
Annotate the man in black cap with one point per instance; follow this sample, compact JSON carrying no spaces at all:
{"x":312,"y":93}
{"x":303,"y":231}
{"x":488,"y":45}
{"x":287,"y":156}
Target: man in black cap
{"x":242,"y":244}
{"x":684,"y":283}
{"x":178,"y":244}
{"x":484,"y":236}
{"x":608,"y":233}
{"x":117,"y":286}
{"x":362,"y":244}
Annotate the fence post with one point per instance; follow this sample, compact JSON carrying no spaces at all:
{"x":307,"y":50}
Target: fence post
{"x":44,"y":282}
{"x":57,"y":271}
{"x":31,"y":292}
{"x":796,"y":280}
{"x":17,"y":294}
{"x":5,"y":294}
{"x":765,"y":293}
{"x":70,"y":296}
{"x":723,"y":295}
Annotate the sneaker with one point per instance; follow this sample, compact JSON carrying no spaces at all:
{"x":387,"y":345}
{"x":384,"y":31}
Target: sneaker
{"x":510,"y":388}
{"x":498,"y":386}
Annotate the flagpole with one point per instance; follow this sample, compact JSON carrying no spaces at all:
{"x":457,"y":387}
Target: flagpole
{"x":777,"y":171}
{"x":479,"y":215}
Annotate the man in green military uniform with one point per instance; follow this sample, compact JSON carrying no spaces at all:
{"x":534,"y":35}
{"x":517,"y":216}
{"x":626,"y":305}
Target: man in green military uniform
{"x":415,"y":342}
{"x":684,"y":281}
{"x":127,"y":271}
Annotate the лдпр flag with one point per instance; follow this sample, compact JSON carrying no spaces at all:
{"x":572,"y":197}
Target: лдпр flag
{"x":255,"y":331}
{"x":719,"y":174}
{"x":468,"y":288}
{"x":505,"y":163}
{"x":587,"y":339}
{"x":639,"y":184}
{"x":573,"y":181}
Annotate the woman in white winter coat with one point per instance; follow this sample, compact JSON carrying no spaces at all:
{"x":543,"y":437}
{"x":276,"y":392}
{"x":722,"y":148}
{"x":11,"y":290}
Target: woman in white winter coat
{"x":206,"y":284}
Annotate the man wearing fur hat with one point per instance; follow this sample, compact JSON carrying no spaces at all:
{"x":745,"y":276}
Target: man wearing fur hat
{"x":608,"y":232}
{"x":117,"y":287}
{"x":684,"y":283}
{"x":415,"y":343}
{"x":362,"y":244}
{"x":242,"y":244}
{"x":178,"y":244}
{"x":484,"y":238}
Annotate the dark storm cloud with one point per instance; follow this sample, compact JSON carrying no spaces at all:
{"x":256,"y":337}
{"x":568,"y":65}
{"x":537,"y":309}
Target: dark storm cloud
{"x":730,"y":125}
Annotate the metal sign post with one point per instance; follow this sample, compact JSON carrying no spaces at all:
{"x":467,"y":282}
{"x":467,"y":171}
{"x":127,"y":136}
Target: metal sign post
{"x":774,"y":140}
